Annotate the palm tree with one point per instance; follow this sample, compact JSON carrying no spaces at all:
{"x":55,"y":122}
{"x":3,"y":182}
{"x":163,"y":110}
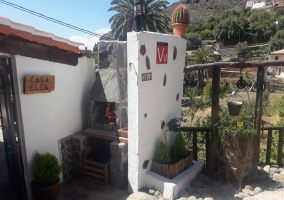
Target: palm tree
{"x":153,"y":17}
{"x":201,"y":56}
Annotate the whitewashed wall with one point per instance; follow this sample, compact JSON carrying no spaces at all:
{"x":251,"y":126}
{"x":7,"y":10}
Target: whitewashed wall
{"x":280,"y":56}
{"x":49,"y":117}
{"x":150,"y":102}
{"x":279,"y":70}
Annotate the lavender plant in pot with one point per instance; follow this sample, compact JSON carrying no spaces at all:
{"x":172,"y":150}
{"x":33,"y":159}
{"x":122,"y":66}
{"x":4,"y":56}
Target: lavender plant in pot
{"x":46,"y":169}
{"x":180,"y":20}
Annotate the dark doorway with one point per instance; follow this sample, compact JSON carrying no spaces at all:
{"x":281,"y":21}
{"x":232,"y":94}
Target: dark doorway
{"x":12,"y":181}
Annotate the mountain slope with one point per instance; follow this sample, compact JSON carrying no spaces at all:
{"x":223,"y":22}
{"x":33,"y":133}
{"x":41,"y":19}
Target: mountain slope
{"x":203,"y":9}
{"x":200,"y":10}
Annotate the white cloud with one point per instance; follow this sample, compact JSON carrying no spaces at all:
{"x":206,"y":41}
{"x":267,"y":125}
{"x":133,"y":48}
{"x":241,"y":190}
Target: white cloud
{"x":89,"y":41}
{"x":103,"y":31}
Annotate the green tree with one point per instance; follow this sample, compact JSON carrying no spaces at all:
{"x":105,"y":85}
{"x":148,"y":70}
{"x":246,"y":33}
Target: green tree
{"x":279,"y":12}
{"x":153,"y":17}
{"x":277,"y":41}
{"x":207,"y":34}
{"x":230,"y":13}
{"x":242,"y":48}
{"x":193,"y":41}
{"x":228,"y":31}
{"x":262,"y":24}
{"x":200,"y":56}
{"x":280,"y":24}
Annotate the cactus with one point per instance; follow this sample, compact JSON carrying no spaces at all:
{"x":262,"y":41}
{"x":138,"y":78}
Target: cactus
{"x":180,"y":14}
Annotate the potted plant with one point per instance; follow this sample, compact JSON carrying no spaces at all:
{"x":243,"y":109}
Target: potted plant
{"x":170,"y":163}
{"x":46,"y":169}
{"x":180,"y":20}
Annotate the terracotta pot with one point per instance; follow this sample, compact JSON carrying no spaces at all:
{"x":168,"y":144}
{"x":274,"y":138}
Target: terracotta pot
{"x":45,"y":193}
{"x":179,"y":29}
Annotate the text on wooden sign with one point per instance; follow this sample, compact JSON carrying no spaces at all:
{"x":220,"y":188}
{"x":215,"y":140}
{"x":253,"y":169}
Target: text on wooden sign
{"x":39,"y":84}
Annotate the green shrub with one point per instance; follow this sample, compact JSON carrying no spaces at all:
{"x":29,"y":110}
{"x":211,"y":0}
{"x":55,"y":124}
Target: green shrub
{"x":179,"y":150}
{"x":162,"y":153}
{"x":277,"y":107}
{"x":46,"y":169}
{"x":228,"y":130}
{"x":207,"y":90}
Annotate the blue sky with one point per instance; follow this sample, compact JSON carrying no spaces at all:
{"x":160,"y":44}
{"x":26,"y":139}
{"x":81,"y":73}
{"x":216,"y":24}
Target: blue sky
{"x":91,"y":15}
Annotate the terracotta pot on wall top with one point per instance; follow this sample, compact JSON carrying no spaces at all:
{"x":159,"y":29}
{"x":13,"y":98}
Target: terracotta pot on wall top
{"x":179,"y":29}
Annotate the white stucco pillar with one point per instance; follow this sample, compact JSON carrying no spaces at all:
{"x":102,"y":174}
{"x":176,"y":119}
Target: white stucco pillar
{"x":155,"y":85}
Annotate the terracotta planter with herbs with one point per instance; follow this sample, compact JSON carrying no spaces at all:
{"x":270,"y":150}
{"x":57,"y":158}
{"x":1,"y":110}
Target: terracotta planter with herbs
{"x":171,"y":170}
{"x":171,"y":163}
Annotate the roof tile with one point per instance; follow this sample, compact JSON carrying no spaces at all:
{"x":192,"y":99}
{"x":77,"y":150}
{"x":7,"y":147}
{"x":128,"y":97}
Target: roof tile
{"x":8,"y":27}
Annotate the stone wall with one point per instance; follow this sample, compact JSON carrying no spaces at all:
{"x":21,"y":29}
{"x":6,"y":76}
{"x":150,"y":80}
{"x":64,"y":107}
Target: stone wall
{"x":118,"y":164}
{"x":66,"y":158}
{"x":111,"y":82}
{"x":80,"y":148}
{"x":77,"y":147}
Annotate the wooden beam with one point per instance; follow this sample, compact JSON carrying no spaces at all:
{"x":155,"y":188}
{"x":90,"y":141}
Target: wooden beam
{"x":214,"y":118}
{"x":98,"y":134}
{"x":17,"y":46}
{"x":234,"y":65}
{"x":258,"y":116}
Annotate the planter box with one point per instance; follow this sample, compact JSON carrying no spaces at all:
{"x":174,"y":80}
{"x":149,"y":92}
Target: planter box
{"x":94,"y":171}
{"x":171,"y":170}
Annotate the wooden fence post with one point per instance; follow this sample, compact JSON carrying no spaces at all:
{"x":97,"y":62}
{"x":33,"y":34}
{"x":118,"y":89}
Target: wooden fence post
{"x":214,"y":118}
{"x":280,"y":145}
{"x":258,"y":117}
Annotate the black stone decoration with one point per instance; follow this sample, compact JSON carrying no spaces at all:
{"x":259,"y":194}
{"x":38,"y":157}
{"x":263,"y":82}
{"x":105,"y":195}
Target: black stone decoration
{"x":177,"y":97}
{"x":145,"y":164}
{"x":163,"y":124}
{"x":175,"y":53}
{"x":145,"y":115}
{"x":165,"y":80}
{"x":148,"y":63}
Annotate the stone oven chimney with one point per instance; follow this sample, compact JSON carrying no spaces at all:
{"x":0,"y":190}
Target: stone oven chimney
{"x":109,"y":91}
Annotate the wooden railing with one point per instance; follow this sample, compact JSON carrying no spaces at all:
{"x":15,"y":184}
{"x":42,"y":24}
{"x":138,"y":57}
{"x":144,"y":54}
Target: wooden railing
{"x":269,"y":142}
{"x":205,"y":130}
{"x":195,"y":131}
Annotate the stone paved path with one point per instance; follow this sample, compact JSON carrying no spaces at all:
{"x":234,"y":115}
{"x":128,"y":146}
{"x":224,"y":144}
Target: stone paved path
{"x":78,"y":189}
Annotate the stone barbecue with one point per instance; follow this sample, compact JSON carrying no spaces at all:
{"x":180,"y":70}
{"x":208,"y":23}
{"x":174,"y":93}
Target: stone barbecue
{"x":106,"y":113}
{"x":108,"y":97}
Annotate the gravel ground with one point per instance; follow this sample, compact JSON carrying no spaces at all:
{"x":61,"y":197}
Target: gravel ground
{"x":268,"y":195}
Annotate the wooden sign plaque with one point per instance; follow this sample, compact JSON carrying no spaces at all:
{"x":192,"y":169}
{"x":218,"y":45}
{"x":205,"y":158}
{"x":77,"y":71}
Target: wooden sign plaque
{"x":39,"y":84}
